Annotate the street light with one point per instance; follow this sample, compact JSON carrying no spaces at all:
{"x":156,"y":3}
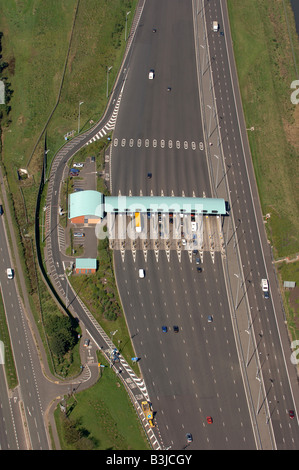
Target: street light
{"x":128,"y":12}
{"x":80,"y":102}
{"x":217,"y":171}
{"x":108,"y":70}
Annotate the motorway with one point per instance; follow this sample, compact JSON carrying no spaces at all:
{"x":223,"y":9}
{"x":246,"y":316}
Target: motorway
{"x":27,"y":365}
{"x":196,"y":372}
{"x":199,"y":371}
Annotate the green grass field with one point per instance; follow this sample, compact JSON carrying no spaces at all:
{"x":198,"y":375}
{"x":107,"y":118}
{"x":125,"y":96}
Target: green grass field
{"x":104,"y":414}
{"x":264,"y":46}
{"x":266,"y":70}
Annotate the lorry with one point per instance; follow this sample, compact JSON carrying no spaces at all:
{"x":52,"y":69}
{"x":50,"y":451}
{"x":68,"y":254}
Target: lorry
{"x":265,"y":288}
{"x":215,"y":26}
{"x":138,"y":221}
{"x":148,"y":412}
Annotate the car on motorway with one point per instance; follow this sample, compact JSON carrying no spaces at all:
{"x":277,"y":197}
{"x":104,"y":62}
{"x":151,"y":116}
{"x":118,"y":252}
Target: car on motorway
{"x":291,"y":414}
{"x":1,"y":209}
{"x":266,"y":295}
{"x":209,"y":419}
{"x":197,"y":261}
{"x":164,"y":329}
{"x":189,"y":437}
{"x":199,"y":269}
{"x":141,"y":273}
{"x":151,"y":74}
{"x":78,"y":165}
{"x":149,"y":175}
{"x":79,"y":234}
{"x":210,"y":318}
{"x":9,"y":273}
{"x":175,"y":328}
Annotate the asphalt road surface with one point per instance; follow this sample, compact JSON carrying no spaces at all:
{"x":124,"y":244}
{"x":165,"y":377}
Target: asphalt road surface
{"x":195,"y":373}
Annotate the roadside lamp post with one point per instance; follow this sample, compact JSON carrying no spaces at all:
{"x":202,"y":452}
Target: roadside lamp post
{"x":80,"y":102}
{"x":217,"y":171}
{"x":128,"y":12}
{"x":108,"y":70}
{"x":236,"y":303}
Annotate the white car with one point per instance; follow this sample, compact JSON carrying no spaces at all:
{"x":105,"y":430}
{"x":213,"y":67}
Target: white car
{"x":9,"y":273}
{"x":151,"y":74}
{"x":78,"y":165}
{"x":141,"y":273}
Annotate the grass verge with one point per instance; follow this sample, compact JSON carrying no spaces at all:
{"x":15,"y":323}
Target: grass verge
{"x":266,"y":50}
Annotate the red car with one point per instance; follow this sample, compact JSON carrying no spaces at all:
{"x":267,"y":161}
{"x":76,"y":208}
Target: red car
{"x":291,"y":414}
{"x":209,"y":419}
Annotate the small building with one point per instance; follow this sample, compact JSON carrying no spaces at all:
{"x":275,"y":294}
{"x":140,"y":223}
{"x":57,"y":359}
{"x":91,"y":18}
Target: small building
{"x":289,"y":284}
{"x":85,"y":265}
{"x":86,"y":207}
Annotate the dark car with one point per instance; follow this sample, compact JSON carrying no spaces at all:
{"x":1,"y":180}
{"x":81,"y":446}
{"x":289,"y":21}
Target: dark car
{"x":164,"y":329}
{"x":291,"y":414}
{"x":149,"y":175}
{"x":189,"y":437}
{"x":1,"y":209}
{"x":175,"y":328}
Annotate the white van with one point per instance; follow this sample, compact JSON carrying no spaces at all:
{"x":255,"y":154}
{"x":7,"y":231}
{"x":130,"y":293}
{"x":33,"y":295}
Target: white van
{"x":9,"y":273}
{"x":215,"y":26}
{"x":141,"y":273}
{"x":265,"y":285}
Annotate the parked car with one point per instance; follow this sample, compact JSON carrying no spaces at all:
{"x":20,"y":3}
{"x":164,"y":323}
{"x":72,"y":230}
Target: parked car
{"x":74,"y":172}
{"x":79,"y":234}
{"x":78,"y":165}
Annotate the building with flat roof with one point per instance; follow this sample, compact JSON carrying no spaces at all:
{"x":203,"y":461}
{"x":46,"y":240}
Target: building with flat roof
{"x":164,"y":204}
{"x":85,"y":265}
{"x":91,"y":206}
{"x":86,"y":207}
